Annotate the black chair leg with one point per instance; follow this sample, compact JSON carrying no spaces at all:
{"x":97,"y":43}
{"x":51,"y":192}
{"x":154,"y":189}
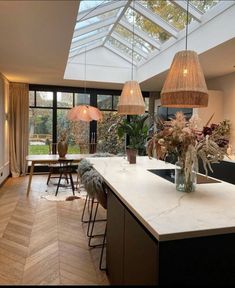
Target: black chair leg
{"x":58,"y":185}
{"x":49,"y":177}
{"x":71,"y":182}
{"x":66,"y":177}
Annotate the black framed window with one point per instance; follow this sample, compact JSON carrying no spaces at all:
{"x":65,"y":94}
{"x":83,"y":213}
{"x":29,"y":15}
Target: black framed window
{"x":168,"y":113}
{"x":49,"y":106}
{"x":40,"y":121}
{"x":65,"y":99}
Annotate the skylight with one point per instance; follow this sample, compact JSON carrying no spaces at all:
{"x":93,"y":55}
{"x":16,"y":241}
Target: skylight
{"x":111,"y":24}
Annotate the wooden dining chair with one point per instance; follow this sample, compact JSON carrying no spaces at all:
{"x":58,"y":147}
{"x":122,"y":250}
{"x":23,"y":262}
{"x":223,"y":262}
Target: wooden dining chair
{"x":53,"y":168}
{"x":65,"y":172}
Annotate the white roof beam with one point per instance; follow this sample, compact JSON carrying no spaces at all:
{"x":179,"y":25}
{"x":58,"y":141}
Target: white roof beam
{"x":92,"y":12}
{"x":119,"y":17}
{"x":129,"y":45}
{"x":193,"y":11}
{"x":156,"y":19}
{"x":119,"y":53}
{"x":83,"y":49}
{"x":94,"y":26}
{"x":143,"y":35}
{"x":88,"y":39}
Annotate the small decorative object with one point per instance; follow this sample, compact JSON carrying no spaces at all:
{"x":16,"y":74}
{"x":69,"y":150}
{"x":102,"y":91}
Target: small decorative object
{"x":62,"y":145}
{"x":137,"y":131}
{"x":187,"y":142}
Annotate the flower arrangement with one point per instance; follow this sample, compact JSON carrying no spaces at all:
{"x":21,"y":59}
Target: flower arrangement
{"x":188,"y":142}
{"x":63,"y":135}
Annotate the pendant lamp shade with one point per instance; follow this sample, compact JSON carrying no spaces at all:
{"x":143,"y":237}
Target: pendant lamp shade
{"x":131,"y":101}
{"x":84,"y":113}
{"x":95,"y":113}
{"x":185,"y":84}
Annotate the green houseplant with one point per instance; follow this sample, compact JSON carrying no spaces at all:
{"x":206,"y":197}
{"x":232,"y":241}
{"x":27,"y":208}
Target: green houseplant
{"x":137,"y":130}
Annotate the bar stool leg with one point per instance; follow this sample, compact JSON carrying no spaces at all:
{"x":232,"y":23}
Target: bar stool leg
{"x":90,"y":218}
{"x":92,"y":226}
{"x":83,"y":211}
{"x":102,"y":249}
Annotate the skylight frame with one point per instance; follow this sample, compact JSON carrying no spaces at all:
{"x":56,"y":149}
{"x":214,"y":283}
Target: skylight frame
{"x":121,"y":6}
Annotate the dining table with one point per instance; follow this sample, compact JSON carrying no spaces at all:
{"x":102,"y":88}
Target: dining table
{"x":50,"y":159}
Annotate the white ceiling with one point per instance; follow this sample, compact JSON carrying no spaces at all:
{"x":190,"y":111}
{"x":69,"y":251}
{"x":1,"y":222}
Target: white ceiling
{"x":36,"y":37}
{"x":215,"y":62}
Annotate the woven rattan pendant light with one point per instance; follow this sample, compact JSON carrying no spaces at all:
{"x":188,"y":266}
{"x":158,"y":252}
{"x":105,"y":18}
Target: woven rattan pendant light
{"x":85,"y":113}
{"x":131,"y":101}
{"x":185,"y":84}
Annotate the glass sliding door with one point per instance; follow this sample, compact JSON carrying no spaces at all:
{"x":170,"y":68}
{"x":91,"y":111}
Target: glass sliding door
{"x":40,"y":130}
{"x":48,"y":109}
{"x":77,"y":132}
{"x":40,"y":122}
{"x":107,"y":138}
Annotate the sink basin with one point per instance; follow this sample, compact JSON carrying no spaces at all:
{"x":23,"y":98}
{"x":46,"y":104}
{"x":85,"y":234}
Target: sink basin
{"x":169,"y":174}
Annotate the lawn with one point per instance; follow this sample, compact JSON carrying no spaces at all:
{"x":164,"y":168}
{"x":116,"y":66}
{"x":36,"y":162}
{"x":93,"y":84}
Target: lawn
{"x":44,"y":149}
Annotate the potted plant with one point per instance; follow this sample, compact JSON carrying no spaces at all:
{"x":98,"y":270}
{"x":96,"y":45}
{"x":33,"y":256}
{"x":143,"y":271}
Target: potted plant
{"x":137,"y":130}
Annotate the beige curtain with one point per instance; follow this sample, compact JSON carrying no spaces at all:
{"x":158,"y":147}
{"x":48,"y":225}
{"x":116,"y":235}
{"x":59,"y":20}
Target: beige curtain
{"x":19,"y":126}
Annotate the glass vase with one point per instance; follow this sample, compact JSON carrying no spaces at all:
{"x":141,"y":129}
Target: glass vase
{"x":184,"y":183}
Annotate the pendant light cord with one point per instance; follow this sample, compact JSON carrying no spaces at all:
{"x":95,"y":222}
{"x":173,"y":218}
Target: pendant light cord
{"x":85,"y":73}
{"x":186,"y":44}
{"x":132,"y":54}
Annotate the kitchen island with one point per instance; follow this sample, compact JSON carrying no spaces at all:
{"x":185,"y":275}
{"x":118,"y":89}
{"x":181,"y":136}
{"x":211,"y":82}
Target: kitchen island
{"x":223,"y":170}
{"x":157,"y":235}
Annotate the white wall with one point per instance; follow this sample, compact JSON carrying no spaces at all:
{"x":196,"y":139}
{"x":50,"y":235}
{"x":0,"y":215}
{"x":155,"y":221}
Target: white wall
{"x":215,"y":106}
{"x":102,"y":65}
{"x":227,"y":85}
{"x":4,"y":129}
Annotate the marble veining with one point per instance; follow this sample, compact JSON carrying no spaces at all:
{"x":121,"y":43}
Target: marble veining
{"x":169,"y":214}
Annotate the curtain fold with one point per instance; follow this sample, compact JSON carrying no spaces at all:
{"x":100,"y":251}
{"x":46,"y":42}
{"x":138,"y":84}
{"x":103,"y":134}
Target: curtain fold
{"x":19,"y":119}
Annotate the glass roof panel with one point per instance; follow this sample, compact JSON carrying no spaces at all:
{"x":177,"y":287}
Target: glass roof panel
{"x":91,"y":4}
{"x":89,"y":34}
{"x":124,"y":49}
{"x":146,"y":25}
{"x":80,"y":49}
{"x":205,"y":5}
{"x":138,"y":42}
{"x":168,"y":11}
{"x":95,"y":19}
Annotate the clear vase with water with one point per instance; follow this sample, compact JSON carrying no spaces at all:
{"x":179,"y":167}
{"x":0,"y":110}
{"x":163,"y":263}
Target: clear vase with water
{"x":183,"y":182}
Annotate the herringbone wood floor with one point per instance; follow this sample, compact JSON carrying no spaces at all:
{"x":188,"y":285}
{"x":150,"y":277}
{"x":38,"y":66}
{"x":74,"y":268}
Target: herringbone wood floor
{"x":44,"y":242}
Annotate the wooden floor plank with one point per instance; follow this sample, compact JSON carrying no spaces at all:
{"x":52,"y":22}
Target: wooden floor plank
{"x":44,"y":242}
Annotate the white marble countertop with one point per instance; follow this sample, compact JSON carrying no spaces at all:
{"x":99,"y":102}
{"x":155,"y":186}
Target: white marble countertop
{"x":169,"y":214}
{"x":231,"y":158}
